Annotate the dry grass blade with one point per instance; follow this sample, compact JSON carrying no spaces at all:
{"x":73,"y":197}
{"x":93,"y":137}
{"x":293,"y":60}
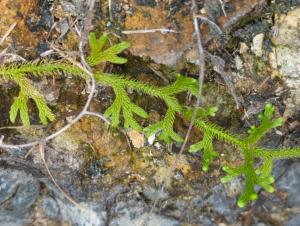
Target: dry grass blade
{"x":143,"y":31}
{"x":7,"y":32}
{"x":42,"y":155}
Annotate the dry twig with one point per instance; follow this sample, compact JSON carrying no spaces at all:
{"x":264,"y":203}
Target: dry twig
{"x":88,"y":23}
{"x":110,"y":10}
{"x":223,"y":7}
{"x":201,"y":55}
{"x":7,"y":33}
{"x":41,"y":146}
{"x":210,"y":22}
{"x":143,"y":31}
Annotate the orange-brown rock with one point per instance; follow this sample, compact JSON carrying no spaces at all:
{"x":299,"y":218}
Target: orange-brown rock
{"x":243,"y":11}
{"x":17,"y":11}
{"x":165,"y":48}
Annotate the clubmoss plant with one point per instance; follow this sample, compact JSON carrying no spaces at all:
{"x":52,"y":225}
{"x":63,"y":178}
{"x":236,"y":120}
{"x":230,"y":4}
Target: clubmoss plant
{"x":19,"y":72}
{"x":124,"y":110}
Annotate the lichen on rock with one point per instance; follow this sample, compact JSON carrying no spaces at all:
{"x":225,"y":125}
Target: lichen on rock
{"x":284,"y":58}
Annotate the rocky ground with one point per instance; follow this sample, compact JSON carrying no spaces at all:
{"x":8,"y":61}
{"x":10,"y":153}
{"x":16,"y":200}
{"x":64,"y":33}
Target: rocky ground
{"x":113,"y":180}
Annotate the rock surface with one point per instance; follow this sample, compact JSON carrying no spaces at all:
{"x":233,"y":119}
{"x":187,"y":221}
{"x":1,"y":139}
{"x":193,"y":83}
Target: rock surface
{"x":172,"y":48}
{"x":165,"y":48}
{"x":32,"y":20}
{"x":27,"y":197}
{"x":291,"y":184}
{"x":285,"y":57}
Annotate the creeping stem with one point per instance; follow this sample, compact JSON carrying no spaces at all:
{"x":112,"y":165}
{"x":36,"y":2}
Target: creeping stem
{"x":202,"y":125}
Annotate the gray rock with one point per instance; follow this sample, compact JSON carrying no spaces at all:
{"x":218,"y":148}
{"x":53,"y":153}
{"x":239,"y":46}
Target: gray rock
{"x":295,"y":221}
{"x":219,"y":203}
{"x":151,"y":220}
{"x":26,"y":196}
{"x":286,"y":62}
{"x":74,"y":8}
{"x":155,"y":194}
{"x":133,"y":210}
{"x":223,"y":204}
{"x":290,"y":182}
{"x":146,"y":2}
{"x":18,"y":191}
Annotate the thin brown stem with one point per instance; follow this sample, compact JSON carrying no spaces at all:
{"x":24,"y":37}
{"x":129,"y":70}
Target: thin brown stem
{"x":7,"y":33}
{"x":201,"y":55}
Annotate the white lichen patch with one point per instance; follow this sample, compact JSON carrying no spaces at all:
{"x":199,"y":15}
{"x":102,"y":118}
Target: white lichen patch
{"x":257,"y":44}
{"x":285,"y":60}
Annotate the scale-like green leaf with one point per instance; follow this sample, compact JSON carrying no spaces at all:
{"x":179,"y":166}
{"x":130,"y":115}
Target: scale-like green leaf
{"x":165,"y":128}
{"x":45,"y":112}
{"x":123,"y":104}
{"x":206,"y":144}
{"x":182,"y":84}
{"x":261,"y":177}
{"x":96,"y":45}
{"x":98,"y":55}
{"x":20,"y":105}
{"x":255,"y":133}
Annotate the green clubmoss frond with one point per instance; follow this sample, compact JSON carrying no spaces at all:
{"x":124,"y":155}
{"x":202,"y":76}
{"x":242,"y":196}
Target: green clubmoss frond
{"x":202,"y":113}
{"x":98,"y":55}
{"x":18,"y":73}
{"x":182,"y":84}
{"x":260,"y":176}
{"x":167,"y":95}
{"x":254,"y":175}
{"x":206,"y":144}
{"x":265,"y":169}
{"x":20,"y":105}
{"x":218,"y":132}
{"x":123,"y":103}
{"x":28,"y":91}
{"x":280,"y":153}
{"x":250,"y":180}
{"x":255,"y":133}
{"x":165,"y":128}
{"x":43,"y":68}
